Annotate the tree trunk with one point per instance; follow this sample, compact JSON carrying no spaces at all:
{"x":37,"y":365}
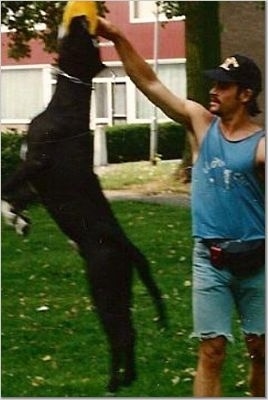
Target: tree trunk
{"x":202,"y":52}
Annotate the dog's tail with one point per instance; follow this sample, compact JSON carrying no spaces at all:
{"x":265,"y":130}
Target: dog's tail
{"x":113,"y":232}
{"x":144,"y":271}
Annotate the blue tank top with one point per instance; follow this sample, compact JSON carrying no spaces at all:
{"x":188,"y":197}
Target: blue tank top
{"x":227,"y":198}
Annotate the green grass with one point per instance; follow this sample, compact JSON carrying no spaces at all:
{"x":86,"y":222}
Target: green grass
{"x":142,"y":176}
{"x":61,"y":351}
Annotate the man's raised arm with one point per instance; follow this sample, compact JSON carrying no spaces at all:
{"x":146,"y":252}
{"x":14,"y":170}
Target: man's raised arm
{"x":190,"y":113}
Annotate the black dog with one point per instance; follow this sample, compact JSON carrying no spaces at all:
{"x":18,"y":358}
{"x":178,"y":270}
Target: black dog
{"x":58,"y":166}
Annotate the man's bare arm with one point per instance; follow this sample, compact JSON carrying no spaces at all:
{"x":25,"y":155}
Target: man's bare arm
{"x":193,"y":115}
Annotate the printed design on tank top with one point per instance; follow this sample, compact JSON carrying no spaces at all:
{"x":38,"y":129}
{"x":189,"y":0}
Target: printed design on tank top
{"x":218,"y":173}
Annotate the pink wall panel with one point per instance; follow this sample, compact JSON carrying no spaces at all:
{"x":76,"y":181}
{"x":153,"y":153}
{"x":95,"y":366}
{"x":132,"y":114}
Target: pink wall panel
{"x":171,"y":39}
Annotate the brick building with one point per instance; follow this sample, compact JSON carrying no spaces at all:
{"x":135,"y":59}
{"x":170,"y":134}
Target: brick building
{"x":28,"y":85}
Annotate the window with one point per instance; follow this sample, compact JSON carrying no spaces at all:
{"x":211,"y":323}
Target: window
{"x":119,"y":102}
{"x":116,"y":100}
{"x":109,"y":100}
{"x":24,"y":93}
{"x":145,"y":11}
{"x":100,"y":92}
{"x":174,"y":77}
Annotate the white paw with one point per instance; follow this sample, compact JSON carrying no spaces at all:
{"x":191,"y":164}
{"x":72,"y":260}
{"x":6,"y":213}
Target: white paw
{"x":21,"y":226}
{"x":8,"y":215}
{"x":12,"y":219}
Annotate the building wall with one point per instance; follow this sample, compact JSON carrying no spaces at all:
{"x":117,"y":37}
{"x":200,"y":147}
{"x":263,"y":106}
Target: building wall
{"x":38,"y":55}
{"x":243,"y":31}
{"x":141,"y":34}
{"x":130,"y":104}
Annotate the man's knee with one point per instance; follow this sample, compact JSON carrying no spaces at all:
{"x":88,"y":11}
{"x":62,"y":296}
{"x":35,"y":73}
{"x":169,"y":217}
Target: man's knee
{"x":256,"y":347}
{"x":212,"y":352}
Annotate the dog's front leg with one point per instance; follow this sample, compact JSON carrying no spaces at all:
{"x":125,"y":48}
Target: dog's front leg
{"x":17,"y":194}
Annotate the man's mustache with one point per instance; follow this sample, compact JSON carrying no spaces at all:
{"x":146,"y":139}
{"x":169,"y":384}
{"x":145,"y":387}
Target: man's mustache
{"x":214,"y":99}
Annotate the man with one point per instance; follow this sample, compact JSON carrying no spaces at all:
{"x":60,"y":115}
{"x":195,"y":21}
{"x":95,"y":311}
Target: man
{"x":227,"y":207}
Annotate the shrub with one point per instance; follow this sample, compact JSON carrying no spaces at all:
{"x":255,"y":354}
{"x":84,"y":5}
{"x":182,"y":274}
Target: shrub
{"x":10,"y":151}
{"x":124,"y":143}
{"x":132,"y":142}
{"x":171,"y":140}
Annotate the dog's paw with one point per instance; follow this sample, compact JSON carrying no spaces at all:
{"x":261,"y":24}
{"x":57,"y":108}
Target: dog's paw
{"x":129,"y":378}
{"x":11,"y":218}
{"x":7,"y":213}
{"x":22,"y":227}
{"x":113,"y":385}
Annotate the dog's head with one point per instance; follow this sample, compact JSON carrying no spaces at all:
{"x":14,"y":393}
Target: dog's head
{"x":78,"y":48}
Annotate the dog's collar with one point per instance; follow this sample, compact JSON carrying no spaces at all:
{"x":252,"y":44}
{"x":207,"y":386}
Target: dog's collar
{"x":73,"y":79}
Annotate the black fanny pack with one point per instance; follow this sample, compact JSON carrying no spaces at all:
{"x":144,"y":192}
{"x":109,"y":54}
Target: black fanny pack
{"x":242,"y":258}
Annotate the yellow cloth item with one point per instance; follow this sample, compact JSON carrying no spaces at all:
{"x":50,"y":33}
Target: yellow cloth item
{"x":78,"y":8}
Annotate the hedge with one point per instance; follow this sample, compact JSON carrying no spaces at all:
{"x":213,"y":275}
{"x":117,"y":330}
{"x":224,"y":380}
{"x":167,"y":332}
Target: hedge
{"x":132,"y":142}
{"x":10,"y":151}
{"x":124,"y":143}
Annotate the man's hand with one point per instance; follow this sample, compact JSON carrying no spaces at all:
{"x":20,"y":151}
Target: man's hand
{"x":107,"y":30}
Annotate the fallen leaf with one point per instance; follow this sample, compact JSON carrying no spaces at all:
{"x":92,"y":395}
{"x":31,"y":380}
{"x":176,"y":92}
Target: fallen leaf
{"x":175,"y":380}
{"x":46,"y":358}
{"x":187,"y":283}
{"x":37,"y":381}
{"x":42,"y":308}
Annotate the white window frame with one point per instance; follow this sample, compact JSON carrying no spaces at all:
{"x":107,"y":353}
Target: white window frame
{"x":131,"y":109}
{"x":46,"y":84}
{"x":48,"y":79}
{"x":132,"y":92}
{"x":161,"y":17}
{"x":109,"y":81}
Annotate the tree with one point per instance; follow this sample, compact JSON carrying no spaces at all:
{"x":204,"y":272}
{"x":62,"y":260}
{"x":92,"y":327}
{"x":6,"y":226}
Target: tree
{"x":202,"y":39}
{"x":21,"y":18}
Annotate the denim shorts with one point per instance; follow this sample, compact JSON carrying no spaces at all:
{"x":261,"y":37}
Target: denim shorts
{"x":217,"y":293}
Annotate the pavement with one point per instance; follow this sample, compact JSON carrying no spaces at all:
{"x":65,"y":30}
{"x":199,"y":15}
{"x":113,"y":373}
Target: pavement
{"x":174,"y":199}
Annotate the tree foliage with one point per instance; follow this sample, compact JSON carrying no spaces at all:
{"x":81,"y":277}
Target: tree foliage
{"x":21,"y":18}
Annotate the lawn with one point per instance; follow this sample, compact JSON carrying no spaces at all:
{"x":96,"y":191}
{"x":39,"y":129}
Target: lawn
{"x":143,"y":177}
{"x":52,"y":344}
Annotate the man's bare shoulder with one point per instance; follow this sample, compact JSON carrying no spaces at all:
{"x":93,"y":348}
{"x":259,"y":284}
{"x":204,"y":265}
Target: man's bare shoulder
{"x":200,"y":118}
{"x":261,"y":151}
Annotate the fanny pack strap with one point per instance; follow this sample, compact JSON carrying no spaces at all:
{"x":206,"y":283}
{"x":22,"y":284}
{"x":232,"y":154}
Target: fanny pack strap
{"x":244,"y":244}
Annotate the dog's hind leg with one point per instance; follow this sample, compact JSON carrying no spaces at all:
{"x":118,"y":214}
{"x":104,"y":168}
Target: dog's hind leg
{"x":130,"y":374}
{"x":121,"y":337}
{"x":110,"y":280}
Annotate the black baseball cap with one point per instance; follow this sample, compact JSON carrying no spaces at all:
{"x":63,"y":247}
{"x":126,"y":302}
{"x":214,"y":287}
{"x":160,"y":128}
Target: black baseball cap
{"x":239,"y":69}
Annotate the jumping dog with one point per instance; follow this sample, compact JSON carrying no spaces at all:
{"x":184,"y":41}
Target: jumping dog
{"x":58,"y":167}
